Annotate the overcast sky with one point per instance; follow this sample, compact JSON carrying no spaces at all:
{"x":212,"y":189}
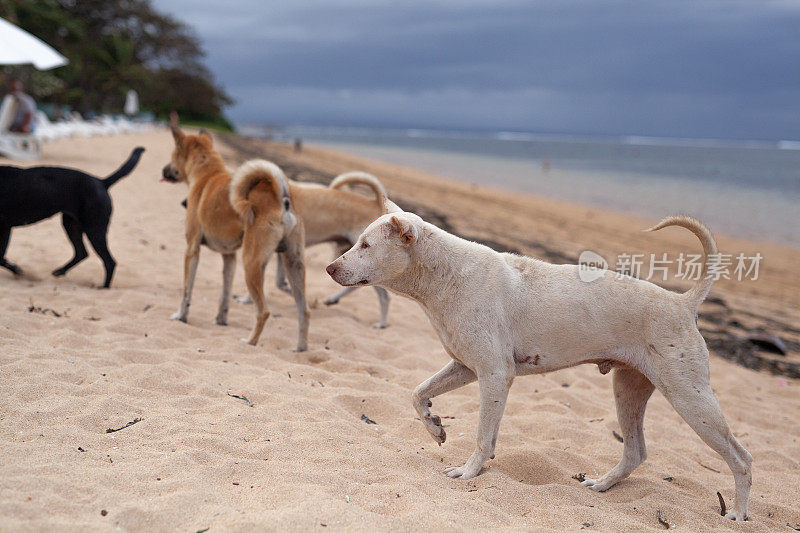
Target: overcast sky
{"x":679,"y":68}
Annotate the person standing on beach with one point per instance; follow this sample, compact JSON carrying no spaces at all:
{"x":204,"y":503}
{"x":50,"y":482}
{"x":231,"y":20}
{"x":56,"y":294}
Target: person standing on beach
{"x":24,"y":116}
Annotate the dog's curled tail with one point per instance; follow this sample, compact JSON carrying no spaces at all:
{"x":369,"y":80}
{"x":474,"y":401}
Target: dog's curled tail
{"x":250,"y":174}
{"x":361,"y":178}
{"x":699,"y":291}
{"x":126,"y":168}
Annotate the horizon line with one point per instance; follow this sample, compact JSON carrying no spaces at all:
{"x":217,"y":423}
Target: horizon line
{"x":521,"y":136}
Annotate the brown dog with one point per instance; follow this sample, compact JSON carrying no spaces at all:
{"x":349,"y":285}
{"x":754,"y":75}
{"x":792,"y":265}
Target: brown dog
{"x":259,"y":193}
{"x":262,"y":220}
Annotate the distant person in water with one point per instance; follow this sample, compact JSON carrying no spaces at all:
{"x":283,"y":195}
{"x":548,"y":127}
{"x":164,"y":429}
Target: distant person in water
{"x":298,"y":144}
{"x":24,"y":116}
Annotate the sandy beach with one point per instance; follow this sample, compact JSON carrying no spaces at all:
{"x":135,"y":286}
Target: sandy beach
{"x":76,"y":361}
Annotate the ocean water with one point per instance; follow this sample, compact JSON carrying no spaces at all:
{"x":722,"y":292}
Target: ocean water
{"x":745,"y":189}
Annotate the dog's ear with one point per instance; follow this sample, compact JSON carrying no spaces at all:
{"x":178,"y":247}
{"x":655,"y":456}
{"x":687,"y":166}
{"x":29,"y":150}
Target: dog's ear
{"x":204,"y":132}
{"x":178,"y":135}
{"x":390,"y":207}
{"x":405,"y":230}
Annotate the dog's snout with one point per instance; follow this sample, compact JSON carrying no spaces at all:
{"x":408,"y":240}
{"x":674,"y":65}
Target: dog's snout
{"x":331,"y":269}
{"x":169,"y":173}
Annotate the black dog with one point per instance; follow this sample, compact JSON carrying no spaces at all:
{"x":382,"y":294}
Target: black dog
{"x":28,"y":195}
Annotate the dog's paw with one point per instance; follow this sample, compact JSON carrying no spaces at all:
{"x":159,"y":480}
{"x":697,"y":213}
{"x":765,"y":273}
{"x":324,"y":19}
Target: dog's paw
{"x":460,"y":472}
{"x":735,"y":516}
{"x":178,"y":316}
{"x":331,"y":300}
{"x":601,"y":484}
{"x":247,"y":341}
{"x":58,"y":272}
{"x":243,"y":299}
{"x":434,"y":426}
{"x":380,"y":325}
{"x":285,"y":287}
{"x":432,"y":423}
{"x":221,"y":321}
{"x":454,"y":471}
{"x":17,"y":271}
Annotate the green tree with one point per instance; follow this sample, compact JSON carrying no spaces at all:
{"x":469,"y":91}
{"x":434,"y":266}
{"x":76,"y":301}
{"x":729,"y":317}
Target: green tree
{"x":117,"y":45}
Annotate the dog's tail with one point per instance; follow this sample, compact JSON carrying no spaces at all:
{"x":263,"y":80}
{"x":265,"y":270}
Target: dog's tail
{"x":361,"y":178}
{"x":699,"y":291}
{"x":250,"y":174}
{"x":126,"y":168}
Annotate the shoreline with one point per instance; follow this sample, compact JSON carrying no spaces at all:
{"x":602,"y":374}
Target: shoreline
{"x":769,"y":214}
{"x":632,"y":182}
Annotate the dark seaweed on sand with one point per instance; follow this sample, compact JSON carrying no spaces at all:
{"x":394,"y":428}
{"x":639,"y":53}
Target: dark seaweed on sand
{"x":129,"y":424}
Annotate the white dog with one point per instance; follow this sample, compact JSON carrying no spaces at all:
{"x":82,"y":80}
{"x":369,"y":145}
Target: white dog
{"x":503,"y":315}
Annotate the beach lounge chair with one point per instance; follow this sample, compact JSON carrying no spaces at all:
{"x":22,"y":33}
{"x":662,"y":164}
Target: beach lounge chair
{"x":50,"y":131}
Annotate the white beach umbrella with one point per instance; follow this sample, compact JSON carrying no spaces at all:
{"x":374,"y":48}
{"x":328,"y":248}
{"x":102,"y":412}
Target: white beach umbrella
{"x":18,"y":47}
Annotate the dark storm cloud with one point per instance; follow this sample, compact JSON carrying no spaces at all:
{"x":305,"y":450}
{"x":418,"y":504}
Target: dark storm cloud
{"x":684,"y":68}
